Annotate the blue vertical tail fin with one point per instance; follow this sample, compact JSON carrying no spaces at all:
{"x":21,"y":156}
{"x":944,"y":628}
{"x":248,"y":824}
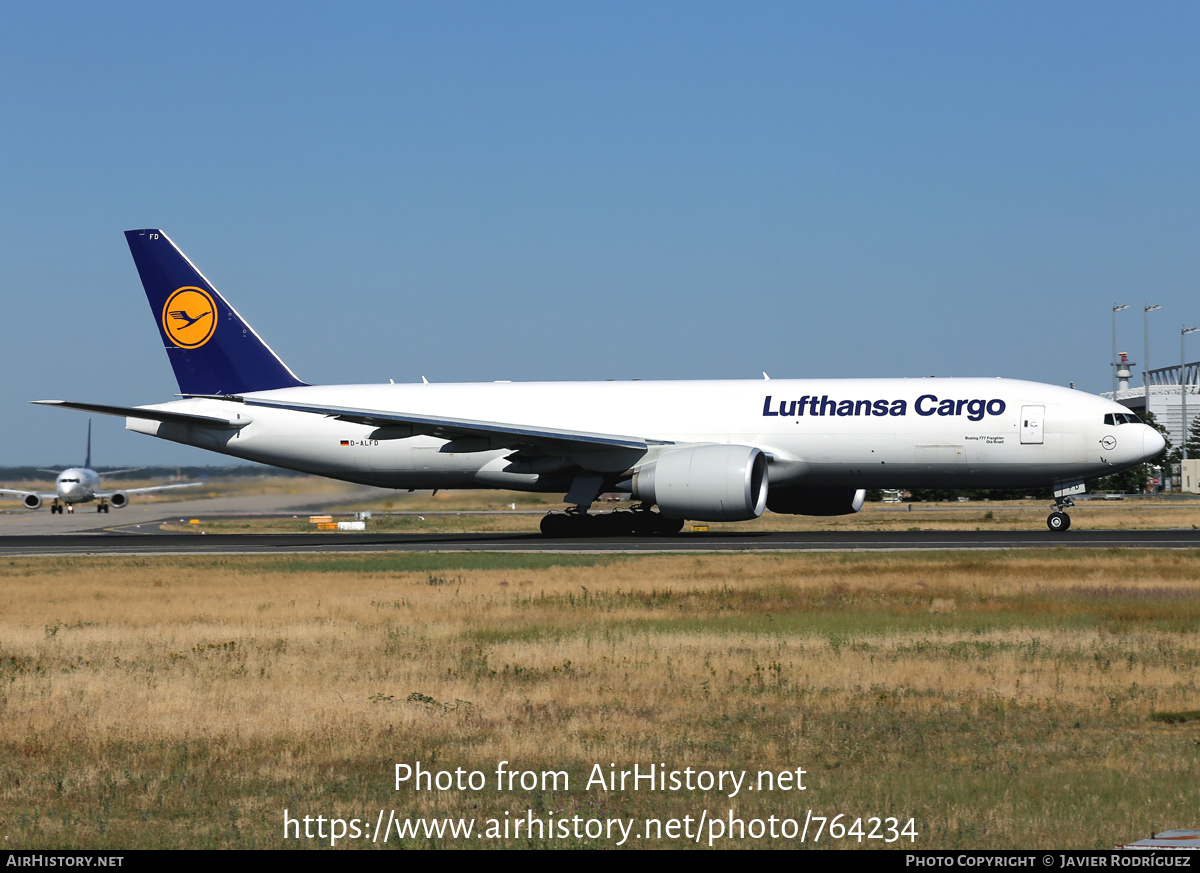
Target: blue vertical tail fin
{"x":211,"y":348}
{"x":87,"y":461}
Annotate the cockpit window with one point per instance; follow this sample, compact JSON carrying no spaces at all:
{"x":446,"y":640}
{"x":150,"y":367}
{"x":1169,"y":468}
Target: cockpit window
{"x":1121,"y":418}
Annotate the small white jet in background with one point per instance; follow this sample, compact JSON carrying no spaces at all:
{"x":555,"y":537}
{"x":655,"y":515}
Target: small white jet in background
{"x":82,"y":485}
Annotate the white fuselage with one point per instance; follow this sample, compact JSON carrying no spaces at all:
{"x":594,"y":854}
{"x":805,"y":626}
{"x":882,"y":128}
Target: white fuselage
{"x":855,"y":433}
{"x":77,"y":485}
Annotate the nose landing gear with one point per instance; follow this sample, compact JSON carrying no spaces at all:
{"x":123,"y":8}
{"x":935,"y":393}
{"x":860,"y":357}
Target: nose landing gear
{"x":1059,"y":521}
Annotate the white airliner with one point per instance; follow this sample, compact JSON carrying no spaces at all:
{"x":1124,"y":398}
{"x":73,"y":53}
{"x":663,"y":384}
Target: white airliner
{"x":82,"y":485}
{"x":702,"y":450}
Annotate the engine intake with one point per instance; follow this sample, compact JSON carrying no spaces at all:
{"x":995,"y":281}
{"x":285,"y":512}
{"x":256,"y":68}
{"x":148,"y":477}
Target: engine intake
{"x":707,"y":483}
{"x":32,"y":501}
{"x":118,"y":499}
{"x":816,"y":501}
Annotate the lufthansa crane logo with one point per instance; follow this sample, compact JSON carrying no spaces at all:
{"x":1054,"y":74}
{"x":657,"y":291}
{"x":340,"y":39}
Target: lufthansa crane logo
{"x":189,"y":317}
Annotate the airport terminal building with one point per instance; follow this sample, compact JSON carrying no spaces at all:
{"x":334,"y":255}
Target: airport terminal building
{"x":1166,"y":396}
{"x":1165,"y":392}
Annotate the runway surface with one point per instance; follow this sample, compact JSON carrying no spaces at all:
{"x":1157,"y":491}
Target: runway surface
{"x":152,"y":543}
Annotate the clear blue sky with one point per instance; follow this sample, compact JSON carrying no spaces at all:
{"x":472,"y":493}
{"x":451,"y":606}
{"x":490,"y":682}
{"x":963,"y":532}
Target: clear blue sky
{"x":477,"y":191}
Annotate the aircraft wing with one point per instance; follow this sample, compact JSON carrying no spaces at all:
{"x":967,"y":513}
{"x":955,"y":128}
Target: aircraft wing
{"x":45,"y":495}
{"x":164,"y":415}
{"x":145,"y":490}
{"x":499,"y":434}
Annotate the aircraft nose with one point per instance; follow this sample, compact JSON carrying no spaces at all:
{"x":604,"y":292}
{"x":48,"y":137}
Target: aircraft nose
{"x":1152,"y":443}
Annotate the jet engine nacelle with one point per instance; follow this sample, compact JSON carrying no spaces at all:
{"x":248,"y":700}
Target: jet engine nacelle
{"x":118,"y":499}
{"x":816,"y":501}
{"x":32,"y":501}
{"x":707,"y":483}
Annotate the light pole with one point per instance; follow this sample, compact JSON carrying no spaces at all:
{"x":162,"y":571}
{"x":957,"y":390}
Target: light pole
{"x":1146,"y":310}
{"x":1183,"y":386}
{"x":1117,"y":307}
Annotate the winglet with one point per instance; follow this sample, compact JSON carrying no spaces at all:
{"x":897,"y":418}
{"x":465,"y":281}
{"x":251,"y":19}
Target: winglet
{"x":211,"y":348}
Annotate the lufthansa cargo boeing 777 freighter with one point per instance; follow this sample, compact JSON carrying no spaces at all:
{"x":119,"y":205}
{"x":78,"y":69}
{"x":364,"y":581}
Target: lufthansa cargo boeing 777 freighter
{"x":704,"y":450}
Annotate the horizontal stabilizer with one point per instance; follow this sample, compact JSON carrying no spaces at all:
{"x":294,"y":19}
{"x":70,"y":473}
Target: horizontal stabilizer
{"x":147,"y":413}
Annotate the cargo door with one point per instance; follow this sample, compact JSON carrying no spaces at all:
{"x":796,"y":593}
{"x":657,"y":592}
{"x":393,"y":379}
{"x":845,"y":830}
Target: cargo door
{"x":1032,"y":419}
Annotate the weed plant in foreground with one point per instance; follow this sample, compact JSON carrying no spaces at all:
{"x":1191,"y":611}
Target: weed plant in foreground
{"x":1031,"y":699}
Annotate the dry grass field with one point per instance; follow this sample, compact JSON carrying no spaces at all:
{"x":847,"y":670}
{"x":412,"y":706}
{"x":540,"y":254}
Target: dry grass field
{"x":1032,"y":699}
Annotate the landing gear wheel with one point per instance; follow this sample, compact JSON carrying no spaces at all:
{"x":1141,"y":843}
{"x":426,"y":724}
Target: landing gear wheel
{"x":556,"y":524}
{"x":647,"y":523}
{"x":1058,"y":522}
{"x":613,"y":524}
{"x":668,"y":526}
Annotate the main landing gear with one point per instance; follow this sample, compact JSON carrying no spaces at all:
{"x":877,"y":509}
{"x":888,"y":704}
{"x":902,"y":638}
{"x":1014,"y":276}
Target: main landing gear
{"x":640,"y":521}
{"x":1059,"y":521}
{"x":102,"y":506}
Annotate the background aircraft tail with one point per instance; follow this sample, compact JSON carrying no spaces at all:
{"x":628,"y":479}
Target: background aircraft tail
{"x":211,"y":348}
